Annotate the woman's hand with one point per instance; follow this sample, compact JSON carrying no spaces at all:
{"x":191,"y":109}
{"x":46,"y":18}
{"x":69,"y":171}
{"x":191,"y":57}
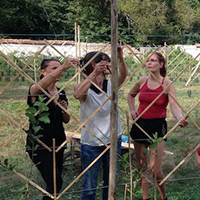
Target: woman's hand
{"x":119,"y":52}
{"x":70,"y":62}
{"x":183,"y":122}
{"x":102,"y":67}
{"x":64,"y":104}
{"x":134,"y":114}
{"x":66,"y":116}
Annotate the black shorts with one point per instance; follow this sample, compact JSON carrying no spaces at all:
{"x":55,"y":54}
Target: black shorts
{"x":150,"y":126}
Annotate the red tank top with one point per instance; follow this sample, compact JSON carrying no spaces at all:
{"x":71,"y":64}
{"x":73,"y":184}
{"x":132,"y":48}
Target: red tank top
{"x":198,"y":151}
{"x":159,"y":108}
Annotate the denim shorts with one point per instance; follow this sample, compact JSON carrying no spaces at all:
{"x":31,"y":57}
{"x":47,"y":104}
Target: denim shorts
{"x":151,"y":127}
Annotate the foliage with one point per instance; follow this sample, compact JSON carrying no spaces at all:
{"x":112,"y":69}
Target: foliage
{"x":92,"y":16}
{"x":139,"y":18}
{"x":160,"y":17}
{"x":37,"y":113}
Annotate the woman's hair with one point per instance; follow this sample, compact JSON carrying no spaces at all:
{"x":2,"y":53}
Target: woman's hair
{"x":45,"y":63}
{"x":163,"y":70}
{"x":89,"y":69}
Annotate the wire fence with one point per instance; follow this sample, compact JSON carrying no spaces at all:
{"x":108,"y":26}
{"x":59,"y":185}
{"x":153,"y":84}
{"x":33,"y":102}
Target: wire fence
{"x":20,"y":66}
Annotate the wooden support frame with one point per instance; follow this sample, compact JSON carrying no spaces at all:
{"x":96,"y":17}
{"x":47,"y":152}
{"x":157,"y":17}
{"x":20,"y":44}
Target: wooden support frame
{"x":18,"y":125}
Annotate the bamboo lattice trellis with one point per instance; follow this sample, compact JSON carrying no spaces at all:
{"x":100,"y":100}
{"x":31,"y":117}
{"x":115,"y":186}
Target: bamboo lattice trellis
{"x":21,"y":71}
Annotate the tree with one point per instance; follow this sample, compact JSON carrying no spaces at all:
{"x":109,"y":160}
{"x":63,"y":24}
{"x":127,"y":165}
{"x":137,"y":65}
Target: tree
{"x":92,"y":16}
{"x":145,"y":16}
{"x":162,"y":17}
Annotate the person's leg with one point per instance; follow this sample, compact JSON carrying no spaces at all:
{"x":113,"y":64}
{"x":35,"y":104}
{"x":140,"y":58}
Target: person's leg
{"x":90,"y":177}
{"x":156,"y":157}
{"x":118,"y":155}
{"x":106,"y":162}
{"x":44,"y":163}
{"x":59,"y":160}
{"x":141,"y":157}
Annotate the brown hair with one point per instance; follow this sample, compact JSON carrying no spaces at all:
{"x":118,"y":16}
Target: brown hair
{"x":89,"y":69}
{"x":163,"y":70}
{"x":45,"y":63}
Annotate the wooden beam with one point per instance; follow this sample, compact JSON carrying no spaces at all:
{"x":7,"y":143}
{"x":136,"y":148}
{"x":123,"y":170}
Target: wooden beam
{"x":114,"y":103}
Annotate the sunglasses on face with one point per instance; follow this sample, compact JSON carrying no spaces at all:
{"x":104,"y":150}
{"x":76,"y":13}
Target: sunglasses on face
{"x":152,"y":60}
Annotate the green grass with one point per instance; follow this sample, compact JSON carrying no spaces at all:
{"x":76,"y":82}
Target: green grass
{"x":182,"y":185}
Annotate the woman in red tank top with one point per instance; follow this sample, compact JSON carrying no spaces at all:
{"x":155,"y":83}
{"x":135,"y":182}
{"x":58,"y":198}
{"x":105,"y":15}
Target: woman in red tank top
{"x":150,"y":116}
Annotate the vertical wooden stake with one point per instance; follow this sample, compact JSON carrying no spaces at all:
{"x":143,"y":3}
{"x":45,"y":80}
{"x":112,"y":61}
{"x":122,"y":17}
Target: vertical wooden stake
{"x":75,"y":37}
{"x":35,"y":71}
{"x":79,"y":50}
{"x":79,"y":41}
{"x":125,"y":190}
{"x":155,"y":169}
{"x":130,"y":161}
{"x":114,"y":103}
{"x":54,"y":168}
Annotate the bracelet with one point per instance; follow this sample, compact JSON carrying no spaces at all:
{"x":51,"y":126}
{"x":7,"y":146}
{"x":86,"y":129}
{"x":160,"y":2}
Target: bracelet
{"x":134,"y":112}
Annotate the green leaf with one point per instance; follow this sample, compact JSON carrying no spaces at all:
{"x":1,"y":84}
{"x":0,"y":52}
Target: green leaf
{"x":32,"y":120}
{"x":6,"y":162}
{"x":44,"y":117}
{"x":159,"y":139}
{"x":31,"y":111}
{"x":36,"y":128}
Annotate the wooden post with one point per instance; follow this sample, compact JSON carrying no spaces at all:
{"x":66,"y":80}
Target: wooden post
{"x":79,"y":50}
{"x":114,"y":103}
{"x":75,"y":37}
{"x":79,"y":41}
{"x":130,"y":161}
{"x":54,"y":168}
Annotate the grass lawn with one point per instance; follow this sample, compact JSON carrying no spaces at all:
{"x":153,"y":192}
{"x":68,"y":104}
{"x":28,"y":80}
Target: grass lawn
{"x":184,"y":184}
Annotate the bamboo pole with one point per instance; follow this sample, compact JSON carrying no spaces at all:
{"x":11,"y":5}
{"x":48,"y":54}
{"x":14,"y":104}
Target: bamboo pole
{"x":81,"y":174}
{"x":75,"y":40}
{"x":195,"y":78}
{"x":174,"y":68}
{"x":114,"y":103}
{"x":29,"y":181}
{"x":79,"y":41}
{"x":75,"y":36}
{"x":155,"y":165}
{"x":79,"y":56}
{"x":196,"y":68}
{"x":130,"y":161}
{"x":54,"y":168}
{"x":21,"y":128}
{"x":21,"y":71}
{"x":79,"y":50}
{"x":181,"y":163}
{"x":125,"y":191}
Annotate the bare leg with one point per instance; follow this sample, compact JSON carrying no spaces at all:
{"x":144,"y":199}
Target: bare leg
{"x":156,"y":157}
{"x":141,"y":157}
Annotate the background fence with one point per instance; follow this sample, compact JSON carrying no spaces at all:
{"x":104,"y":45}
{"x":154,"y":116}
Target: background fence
{"x":19,"y":67}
